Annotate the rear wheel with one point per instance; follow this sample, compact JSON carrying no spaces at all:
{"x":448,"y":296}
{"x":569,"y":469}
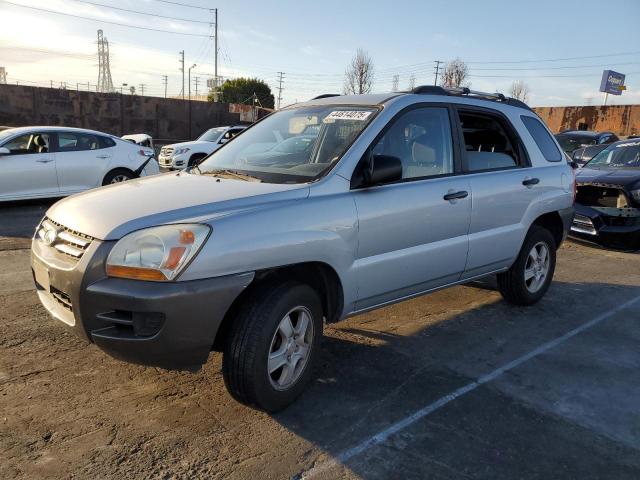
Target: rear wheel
{"x":528,"y":279}
{"x":117,"y":176}
{"x":273,"y":345}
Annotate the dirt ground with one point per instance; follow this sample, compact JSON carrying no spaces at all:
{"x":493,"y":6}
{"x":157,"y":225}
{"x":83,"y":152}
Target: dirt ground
{"x":565,"y":409}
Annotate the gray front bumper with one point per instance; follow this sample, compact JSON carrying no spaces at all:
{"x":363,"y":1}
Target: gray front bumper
{"x":170,"y":325}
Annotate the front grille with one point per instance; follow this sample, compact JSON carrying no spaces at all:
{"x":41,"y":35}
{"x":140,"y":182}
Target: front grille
{"x":66,"y":241}
{"x":62,"y":298}
{"x":583,"y":224}
{"x":166,"y":151}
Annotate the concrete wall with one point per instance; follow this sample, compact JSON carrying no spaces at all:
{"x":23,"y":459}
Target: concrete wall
{"x":620,"y":119}
{"x":162,"y":118}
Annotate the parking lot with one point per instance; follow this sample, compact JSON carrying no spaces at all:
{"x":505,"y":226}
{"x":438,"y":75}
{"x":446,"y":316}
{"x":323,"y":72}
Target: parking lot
{"x":456,"y":384}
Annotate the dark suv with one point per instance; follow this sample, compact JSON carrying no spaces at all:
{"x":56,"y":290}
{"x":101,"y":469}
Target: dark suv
{"x":582,"y":145}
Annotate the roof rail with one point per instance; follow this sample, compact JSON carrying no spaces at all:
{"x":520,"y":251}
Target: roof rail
{"x":326,"y":95}
{"x":497,"y":97}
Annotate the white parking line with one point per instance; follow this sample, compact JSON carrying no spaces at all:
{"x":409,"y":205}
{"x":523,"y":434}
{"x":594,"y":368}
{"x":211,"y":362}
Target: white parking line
{"x":383,"y":435}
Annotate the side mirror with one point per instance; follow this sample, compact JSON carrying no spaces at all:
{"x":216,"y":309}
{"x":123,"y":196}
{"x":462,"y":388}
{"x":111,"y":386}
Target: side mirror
{"x":577,"y":154}
{"x":5,"y":151}
{"x":223,"y":141}
{"x":377,"y":169}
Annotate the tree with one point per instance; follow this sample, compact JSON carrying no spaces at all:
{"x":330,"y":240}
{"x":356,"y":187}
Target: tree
{"x":519,"y":90}
{"x":455,"y":74}
{"x":358,"y":78}
{"x":241,"y":90}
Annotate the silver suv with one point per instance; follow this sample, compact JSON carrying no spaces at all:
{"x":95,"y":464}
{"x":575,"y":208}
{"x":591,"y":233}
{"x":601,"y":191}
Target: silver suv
{"x":322,"y":210}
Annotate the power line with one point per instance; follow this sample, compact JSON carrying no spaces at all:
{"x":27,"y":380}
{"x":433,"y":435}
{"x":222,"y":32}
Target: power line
{"x":561,"y":59}
{"x":104,"y":21}
{"x":556,"y":68}
{"x":140,"y":13}
{"x":184,"y":5}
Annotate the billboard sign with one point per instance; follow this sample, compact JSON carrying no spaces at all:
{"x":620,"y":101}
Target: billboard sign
{"x":612,"y":82}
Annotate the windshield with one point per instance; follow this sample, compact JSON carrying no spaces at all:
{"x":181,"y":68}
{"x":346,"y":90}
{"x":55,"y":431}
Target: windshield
{"x":569,"y":143}
{"x":211,"y":135}
{"x":283,"y":148}
{"x":618,"y":155}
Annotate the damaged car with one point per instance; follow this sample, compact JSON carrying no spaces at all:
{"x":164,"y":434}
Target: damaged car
{"x":608,"y":197}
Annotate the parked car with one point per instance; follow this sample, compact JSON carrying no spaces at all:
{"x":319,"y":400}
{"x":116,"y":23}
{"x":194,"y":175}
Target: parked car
{"x":608,"y":197}
{"x":402,"y":194}
{"x":141,"y":139}
{"x":582,"y":146}
{"x":179,"y":156}
{"x":41,"y":162}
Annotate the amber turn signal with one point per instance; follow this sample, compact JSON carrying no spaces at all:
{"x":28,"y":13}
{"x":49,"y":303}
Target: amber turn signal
{"x":136,"y":273}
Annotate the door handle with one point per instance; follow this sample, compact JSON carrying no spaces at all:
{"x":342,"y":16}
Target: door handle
{"x":529,"y":182}
{"x":44,"y":160}
{"x":102,"y":156}
{"x":456,"y":195}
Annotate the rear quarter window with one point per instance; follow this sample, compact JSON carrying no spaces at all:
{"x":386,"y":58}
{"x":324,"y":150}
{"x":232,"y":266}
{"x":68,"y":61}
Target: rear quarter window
{"x":543,"y":138}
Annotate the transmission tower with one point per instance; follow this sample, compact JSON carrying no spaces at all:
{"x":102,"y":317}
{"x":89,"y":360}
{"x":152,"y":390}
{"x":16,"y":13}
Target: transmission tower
{"x":105,"y":84}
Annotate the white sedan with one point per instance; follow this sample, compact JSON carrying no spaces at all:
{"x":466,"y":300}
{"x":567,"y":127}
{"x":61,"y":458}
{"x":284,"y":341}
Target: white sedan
{"x":41,"y":162}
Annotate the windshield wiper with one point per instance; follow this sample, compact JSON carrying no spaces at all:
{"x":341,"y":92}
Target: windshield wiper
{"x":231,"y":174}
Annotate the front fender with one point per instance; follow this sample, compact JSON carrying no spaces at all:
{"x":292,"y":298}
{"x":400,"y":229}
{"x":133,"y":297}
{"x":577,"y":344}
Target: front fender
{"x":315,"y":229}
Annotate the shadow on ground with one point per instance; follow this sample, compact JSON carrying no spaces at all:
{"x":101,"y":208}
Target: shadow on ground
{"x":371,"y":378}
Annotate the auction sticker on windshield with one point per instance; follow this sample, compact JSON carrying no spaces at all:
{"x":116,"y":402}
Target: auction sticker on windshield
{"x":360,"y":115}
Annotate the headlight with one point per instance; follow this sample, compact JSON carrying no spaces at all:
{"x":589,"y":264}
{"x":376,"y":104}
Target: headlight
{"x":636,"y":195}
{"x":180,"y":151}
{"x":157,"y":253}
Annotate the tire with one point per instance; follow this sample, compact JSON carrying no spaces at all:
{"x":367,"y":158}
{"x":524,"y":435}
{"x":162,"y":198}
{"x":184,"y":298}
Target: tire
{"x":512,"y":284}
{"x":256,"y":335}
{"x":195,"y":159}
{"x":118,"y":175}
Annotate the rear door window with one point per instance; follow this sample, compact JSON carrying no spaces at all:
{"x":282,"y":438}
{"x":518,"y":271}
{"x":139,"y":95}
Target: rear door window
{"x":489,"y":143}
{"x":543,"y":138}
{"x":78,"y":142}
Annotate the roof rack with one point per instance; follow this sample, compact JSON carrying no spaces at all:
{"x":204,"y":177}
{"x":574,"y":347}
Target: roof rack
{"x":326,"y":95}
{"x":496,"y":97}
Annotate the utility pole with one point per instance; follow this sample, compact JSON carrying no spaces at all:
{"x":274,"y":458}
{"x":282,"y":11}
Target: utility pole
{"x":196,"y":80}
{"x":437,"y":71}
{"x":165,"y":80}
{"x":215,"y":53}
{"x":182,"y":70}
{"x":190,"y":68}
{"x":280,"y":79}
{"x":142,"y":85}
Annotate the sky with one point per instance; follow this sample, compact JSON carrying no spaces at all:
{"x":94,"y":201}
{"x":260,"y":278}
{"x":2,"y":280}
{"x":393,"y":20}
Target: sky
{"x":313,"y":42}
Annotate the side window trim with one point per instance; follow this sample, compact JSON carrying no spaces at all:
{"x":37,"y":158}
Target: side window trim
{"x":523,"y":155}
{"x":455,"y":142}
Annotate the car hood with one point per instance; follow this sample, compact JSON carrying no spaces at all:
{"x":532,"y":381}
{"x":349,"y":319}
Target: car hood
{"x":624,"y":177}
{"x":110,"y":212}
{"x":194,"y":144}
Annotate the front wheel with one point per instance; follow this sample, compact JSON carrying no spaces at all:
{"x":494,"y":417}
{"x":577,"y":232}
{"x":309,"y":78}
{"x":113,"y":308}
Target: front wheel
{"x":272,"y":345}
{"x":528,"y":279}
